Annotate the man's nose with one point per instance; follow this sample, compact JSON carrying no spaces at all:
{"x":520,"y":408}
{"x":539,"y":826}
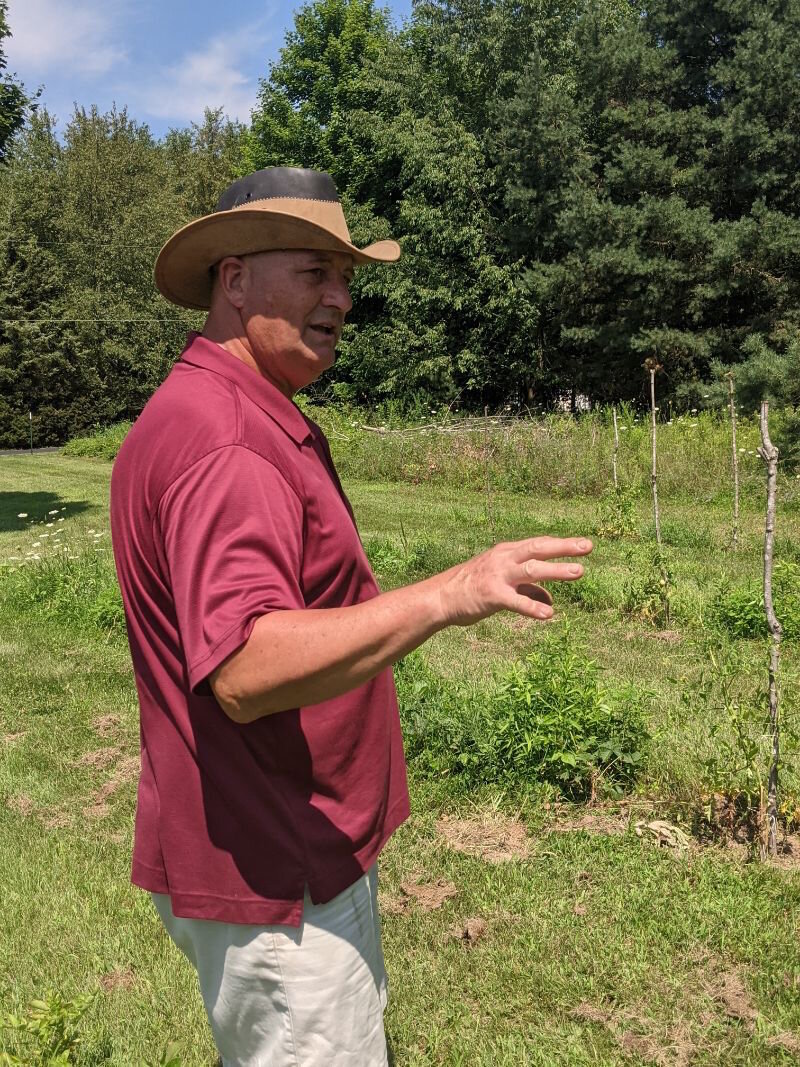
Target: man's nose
{"x":337,"y":295}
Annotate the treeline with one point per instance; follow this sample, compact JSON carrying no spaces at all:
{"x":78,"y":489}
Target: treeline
{"x":577,"y":185}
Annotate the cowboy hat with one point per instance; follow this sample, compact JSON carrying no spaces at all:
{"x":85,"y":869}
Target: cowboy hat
{"x":276,"y":208}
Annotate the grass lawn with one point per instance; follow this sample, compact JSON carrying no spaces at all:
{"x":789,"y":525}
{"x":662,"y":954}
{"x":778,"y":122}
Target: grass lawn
{"x":518,"y":930}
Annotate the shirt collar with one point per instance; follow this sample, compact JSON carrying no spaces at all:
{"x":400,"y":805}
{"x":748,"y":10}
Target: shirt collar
{"x":201,"y":352}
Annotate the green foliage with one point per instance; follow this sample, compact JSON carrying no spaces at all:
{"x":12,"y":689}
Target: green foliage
{"x":49,"y":1028}
{"x":170,"y":1057}
{"x":14,"y":102}
{"x":85,"y":338}
{"x":617,"y":514}
{"x":737,"y":760}
{"x":548,"y":719}
{"x":81,"y":591}
{"x":738,"y":610}
{"x":650,"y":587}
{"x":408,"y":562}
{"x":103,"y":444}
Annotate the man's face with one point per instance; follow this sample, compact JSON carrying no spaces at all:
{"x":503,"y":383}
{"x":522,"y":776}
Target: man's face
{"x":293,"y":309}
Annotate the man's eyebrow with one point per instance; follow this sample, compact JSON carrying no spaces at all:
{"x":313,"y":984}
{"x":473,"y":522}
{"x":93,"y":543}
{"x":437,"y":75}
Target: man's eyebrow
{"x":323,"y":257}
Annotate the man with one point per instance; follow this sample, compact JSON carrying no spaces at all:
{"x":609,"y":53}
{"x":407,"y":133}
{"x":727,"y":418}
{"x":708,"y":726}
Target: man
{"x":272,"y":765}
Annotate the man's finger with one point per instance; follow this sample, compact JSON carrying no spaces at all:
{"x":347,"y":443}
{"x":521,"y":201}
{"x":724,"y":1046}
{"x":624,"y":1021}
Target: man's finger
{"x":533,"y":609}
{"x":540,"y":571}
{"x":550,"y":547}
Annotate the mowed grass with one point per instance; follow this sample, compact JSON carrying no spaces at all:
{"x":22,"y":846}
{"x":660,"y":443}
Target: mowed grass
{"x":597,"y":946}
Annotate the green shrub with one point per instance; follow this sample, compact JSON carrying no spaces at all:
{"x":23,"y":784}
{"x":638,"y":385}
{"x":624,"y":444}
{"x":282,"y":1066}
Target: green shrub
{"x":739,"y":610}
{"x":552,"y":719}
{"x":104,"y":444}
{"x":547,"y":719}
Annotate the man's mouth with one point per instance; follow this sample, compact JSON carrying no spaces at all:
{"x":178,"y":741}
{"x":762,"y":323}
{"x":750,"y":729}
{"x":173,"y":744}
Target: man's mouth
{"x":326,"y":331}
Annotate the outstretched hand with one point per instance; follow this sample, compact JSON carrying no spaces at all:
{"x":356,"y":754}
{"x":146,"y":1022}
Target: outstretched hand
{"x":507,"y":576}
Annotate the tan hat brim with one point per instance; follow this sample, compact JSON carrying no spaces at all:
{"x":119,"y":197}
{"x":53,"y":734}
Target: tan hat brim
{"x":182,"y":270}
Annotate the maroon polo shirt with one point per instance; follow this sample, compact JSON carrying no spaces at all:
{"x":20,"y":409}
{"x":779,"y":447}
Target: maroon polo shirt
{"x":225,"y":506}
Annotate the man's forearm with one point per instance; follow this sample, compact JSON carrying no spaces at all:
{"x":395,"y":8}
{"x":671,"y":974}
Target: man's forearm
{"x":296,"y":658}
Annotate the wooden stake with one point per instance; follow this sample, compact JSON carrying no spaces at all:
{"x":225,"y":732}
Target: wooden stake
{"x":653,"y":367}
{"x":489,"y":513}
{"x":616,"y":446}
{"x":769,"y":453}
{"x":732,"y":403}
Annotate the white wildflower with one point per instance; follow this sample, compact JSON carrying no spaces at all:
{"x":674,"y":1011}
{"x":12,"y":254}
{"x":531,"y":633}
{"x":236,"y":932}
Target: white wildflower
{"x":53,"y":512}
{"x":22,"y":515}
{"x":60,"y":520}
{"x":36,"y":544}
{"x":48,"y":524}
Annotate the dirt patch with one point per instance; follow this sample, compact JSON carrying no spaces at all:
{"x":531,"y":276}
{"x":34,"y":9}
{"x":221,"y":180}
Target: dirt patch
{"x":611,"y":824}
{"x":101,"y":758}
{"x":494,"y":838}
{"x":107,"y":725}
{"x":125,"y":771}
{"x":9,"y":739}
{"x":786,"y":1040}
{"x":674,"y":1048}
{"x":119,"y":978}
{"x":429,"y":895}
{"x":470,"y":932}
{"x":391,"y":905}
{"x":669,"y":637}
{"x":788,"y":858}
{"x":56,"y":820}
{"x":21,"y":803}
{"x":727,"y":988}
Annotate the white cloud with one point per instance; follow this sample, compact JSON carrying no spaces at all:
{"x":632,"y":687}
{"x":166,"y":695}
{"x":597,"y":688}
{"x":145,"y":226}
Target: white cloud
{"x":211,"y":76}
{"x":50,"y":36}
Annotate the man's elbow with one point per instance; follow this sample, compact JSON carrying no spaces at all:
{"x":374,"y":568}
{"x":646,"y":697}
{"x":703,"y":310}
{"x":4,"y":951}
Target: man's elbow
{"x":238,"y":702}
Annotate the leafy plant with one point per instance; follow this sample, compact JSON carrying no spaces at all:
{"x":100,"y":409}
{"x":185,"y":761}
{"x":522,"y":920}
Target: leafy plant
{"x":547,"y":719}
{"x":739,"y":610}
{"x":648,"y":594}
{"x":552,"y":719}
{"x":170,"y":1057}
{"x":617,"y":514}
{"x":49,"y":1029}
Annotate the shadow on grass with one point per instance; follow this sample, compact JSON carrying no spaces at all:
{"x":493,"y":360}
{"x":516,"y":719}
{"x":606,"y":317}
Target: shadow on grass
{"x":18,"y":510}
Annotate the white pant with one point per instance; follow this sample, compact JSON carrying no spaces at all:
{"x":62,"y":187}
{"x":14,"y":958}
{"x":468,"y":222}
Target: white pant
{"x":285,"y":996}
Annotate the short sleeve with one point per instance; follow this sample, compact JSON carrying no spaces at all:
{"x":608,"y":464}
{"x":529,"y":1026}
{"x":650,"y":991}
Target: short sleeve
{"x":231,"y":530}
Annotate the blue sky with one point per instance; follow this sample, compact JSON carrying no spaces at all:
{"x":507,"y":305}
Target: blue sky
{"x":165,"y":59}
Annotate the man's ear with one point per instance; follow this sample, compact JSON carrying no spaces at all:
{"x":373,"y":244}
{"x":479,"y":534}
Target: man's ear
{"x":231,"y":279}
